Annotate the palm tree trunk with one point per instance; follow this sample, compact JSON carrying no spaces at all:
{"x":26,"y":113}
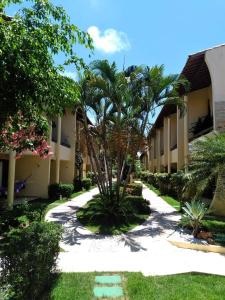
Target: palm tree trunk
{"x":217,"y":206}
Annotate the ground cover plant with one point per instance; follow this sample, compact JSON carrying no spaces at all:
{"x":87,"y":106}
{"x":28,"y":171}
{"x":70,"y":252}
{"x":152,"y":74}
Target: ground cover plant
{"x":109,"y":218}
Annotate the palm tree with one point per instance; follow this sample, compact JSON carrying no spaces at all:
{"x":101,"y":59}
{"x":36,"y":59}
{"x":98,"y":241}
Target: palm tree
{"x":122,"y":103}
{"x":207,"y":163}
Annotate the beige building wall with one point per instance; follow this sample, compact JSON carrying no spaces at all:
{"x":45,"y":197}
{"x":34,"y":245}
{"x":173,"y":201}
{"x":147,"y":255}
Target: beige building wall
{"x":215,"y":60}
{"x":199,"y":103}
{"x":38,"y":171}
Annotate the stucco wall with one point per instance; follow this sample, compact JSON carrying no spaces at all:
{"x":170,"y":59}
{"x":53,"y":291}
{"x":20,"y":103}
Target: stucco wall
{"x":199,"y":103}
{"x":39,"y":170}
{"x":215,"y":60}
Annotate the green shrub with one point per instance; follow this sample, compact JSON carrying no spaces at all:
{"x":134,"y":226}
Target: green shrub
{"x":77,"y":184}
{"x":91,"y":175}
{"x":163,"y":182}
{"x":194,"y":213}
{"x":138,"y":204}
{"x":86,"y":183}
{"x":148,"y":177}
{"x":134,"y":189}
{"x":28,"y":258}
{"x":21,"y":215}
{"x":56,"y":190}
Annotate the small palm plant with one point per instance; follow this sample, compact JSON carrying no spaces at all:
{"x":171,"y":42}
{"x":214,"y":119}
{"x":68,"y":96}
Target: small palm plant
{"x":207,"y":164}
{"x":194,"y":213}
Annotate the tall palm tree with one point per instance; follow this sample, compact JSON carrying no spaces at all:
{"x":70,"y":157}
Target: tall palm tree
{"x":207,"y":163}
{"x":122,"y":103}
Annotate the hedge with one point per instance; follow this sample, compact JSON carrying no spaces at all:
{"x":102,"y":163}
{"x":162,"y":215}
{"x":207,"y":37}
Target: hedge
{"x":86,"y":183}
{"x":58,"y":189}
{"x":134,"y":189}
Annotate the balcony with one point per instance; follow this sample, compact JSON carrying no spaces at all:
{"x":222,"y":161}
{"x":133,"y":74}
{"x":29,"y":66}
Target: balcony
{"x":203,"y":126}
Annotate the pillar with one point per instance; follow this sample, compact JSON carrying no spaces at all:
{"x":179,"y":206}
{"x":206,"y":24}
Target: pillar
{"x":186,"y":139}
{"x":11,"y":179}
{"x":180,"y":140}
{"x":165,"y":138}
{"x":58,"y":146}
{"x":158,"y":155}
{"x":169,"y":145}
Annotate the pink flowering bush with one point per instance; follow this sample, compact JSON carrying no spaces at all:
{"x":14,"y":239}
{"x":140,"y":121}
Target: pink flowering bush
{"x":22,"y":134}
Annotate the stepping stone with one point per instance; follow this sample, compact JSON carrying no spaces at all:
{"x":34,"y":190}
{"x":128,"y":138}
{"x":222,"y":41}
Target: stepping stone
{"x":111,"y":279}
{"x":110,"y":292}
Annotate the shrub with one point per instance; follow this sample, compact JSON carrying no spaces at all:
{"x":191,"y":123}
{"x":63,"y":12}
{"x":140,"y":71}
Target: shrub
{"x":144,"y":175}
{"x":91,"y":175}
{"x":138,"y":204}
{"x":134,"y":189}
{"x":20,"y":216}
{"x":56,"y":190}
{"x":86,"y":183}
{"x":77,"y":184}
{"x":163,"y":182}
{"x":194,"y":213}
{"x":28,"y":258}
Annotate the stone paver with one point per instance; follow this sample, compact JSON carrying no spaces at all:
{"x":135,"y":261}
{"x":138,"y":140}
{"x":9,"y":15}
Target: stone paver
{"x":144,"y":249}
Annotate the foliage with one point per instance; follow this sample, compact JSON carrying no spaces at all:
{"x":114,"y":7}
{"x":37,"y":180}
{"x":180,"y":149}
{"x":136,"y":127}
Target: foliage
{"x":22,"y":134}
{"x":139,"y":204}
{"x":148,"y":177}
{"x":30,"y":79}
{"x":22,"y":215}
{"x":86,"y":183}
{"x":57,"y":190}
{"x":134,"y":189}
{"x":91,"y":175}
{"x":110,"y":217}
{"x":194,"y":213}
{"x":77,"y":184}
{"x":137,"y":168}
{"x":28,"y":259}
{"x":122,"y":104}
{"x":207,"y":163}
{"x":163,"y":182}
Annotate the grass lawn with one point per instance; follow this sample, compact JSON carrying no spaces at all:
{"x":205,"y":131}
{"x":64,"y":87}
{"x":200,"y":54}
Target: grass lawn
{"x":170,"y":200}
{"x":79,"y":286}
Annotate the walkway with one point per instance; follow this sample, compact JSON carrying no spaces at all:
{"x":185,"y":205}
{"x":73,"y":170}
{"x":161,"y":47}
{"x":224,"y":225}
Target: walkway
{"x":145,"y":248}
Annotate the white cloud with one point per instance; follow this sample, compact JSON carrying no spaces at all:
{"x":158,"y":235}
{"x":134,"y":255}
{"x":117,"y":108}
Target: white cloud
{"x":110,"y":40}
{"x":72,"y":75}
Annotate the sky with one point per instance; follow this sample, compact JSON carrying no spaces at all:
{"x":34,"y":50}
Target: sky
{"x":148,"y":32}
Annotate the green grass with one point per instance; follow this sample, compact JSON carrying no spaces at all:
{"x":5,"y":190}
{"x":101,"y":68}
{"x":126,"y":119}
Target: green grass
{"x":170,"y":200}
{"x":80,"y":286}
{"x":214,"y":225}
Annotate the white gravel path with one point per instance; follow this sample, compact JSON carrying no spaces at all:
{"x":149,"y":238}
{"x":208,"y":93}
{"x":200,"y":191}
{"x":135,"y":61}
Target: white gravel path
{"x":145,"y":248}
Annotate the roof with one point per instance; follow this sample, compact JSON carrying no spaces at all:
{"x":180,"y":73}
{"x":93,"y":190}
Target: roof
{"x":196,"y":72}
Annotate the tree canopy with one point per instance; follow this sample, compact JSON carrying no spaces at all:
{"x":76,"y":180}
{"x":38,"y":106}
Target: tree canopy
{"x":30,"y":79}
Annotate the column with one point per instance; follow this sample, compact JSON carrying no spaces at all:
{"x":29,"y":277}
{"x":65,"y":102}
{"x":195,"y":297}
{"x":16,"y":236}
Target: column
{"x":186,"y":140}
{"x":152,"y":154}
{"x":58,"y":146}
{"x":158,"y":155}
{"x":169,"y":145}
{"x":165,"y":138}
{"x":180,"y":140}
{"x":11,"y":179}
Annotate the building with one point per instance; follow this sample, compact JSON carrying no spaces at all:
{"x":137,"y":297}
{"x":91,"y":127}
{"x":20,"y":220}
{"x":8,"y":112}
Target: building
{"x":172,"y":134}
{"x":30,"y":176}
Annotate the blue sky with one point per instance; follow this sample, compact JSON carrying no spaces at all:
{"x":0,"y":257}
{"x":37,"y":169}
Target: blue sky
{"x":148,"y":31}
